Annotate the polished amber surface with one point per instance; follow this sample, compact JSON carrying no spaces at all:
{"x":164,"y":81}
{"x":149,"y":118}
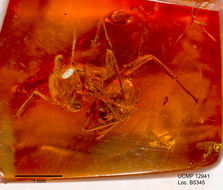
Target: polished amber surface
{"x":105,"y":87}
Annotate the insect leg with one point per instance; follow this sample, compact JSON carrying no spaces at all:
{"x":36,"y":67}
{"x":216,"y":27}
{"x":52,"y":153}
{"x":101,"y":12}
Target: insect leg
{"x":27,"y":102}
{"x":104,"y":132}
{"x":183,"y":33}
{"x":134,"y":65}
{"x":107,"y":125}
{"x":100,"y":24}
{"x":111,"y":63}
{"x":106,"y":35}
{"x":201,"y":24}
{"x":112,"y":68}
{"x":194,"y":20}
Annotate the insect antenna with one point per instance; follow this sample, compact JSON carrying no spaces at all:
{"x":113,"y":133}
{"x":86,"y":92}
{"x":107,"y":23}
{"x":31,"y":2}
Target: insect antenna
{"x":72,"y":61}
{"x":73,"y":47}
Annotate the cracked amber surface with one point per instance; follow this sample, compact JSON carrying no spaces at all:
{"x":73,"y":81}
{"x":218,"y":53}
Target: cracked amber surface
{"x":105,"y":87}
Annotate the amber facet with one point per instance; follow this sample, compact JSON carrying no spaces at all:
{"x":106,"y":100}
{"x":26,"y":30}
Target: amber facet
{"x":105,"y":87}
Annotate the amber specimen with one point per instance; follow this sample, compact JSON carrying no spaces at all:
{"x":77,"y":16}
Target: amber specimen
{"x":128,"y":87}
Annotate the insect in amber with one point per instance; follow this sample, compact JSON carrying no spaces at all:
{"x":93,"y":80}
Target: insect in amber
{"x":114,"y":95}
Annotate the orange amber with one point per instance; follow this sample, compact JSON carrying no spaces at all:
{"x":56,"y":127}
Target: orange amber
{"x":107,"y":88}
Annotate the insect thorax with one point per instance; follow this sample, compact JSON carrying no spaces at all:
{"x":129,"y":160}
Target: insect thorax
{"x":126,"y":97}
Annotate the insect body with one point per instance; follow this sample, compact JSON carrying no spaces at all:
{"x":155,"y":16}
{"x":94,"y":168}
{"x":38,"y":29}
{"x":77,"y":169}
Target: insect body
{"x":112,"y":94}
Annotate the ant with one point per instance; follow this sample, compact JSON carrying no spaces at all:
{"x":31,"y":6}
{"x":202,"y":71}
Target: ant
{"x":114,"y":95}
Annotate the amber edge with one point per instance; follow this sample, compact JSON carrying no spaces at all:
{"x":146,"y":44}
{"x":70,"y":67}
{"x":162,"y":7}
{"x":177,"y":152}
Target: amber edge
{"x":111,"y":177}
